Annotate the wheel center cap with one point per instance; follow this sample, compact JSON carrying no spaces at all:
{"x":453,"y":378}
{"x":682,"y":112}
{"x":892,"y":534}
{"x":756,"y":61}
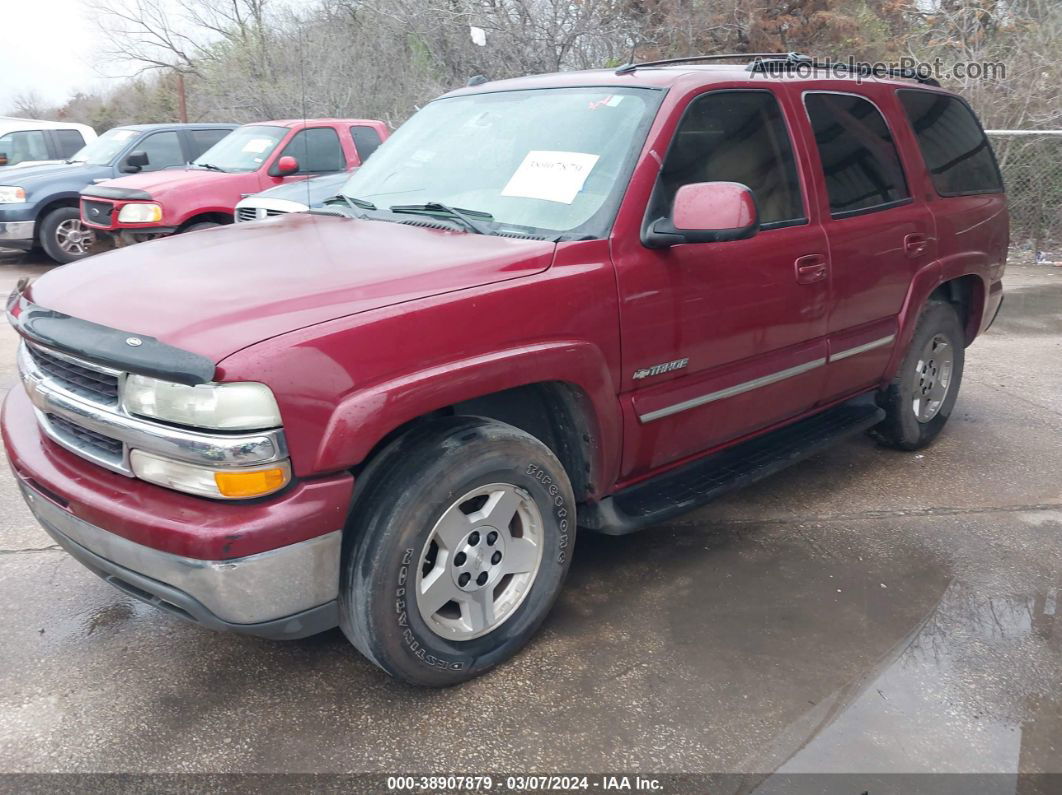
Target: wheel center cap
{"x":477,"y":561}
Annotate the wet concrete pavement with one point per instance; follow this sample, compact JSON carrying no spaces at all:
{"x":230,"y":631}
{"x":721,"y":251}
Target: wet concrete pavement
{"x":868,"y":611}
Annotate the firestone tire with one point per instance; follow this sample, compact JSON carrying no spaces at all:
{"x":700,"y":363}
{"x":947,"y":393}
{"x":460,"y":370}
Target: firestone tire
{"x":920,"y":399}
{"x":458,"y":513}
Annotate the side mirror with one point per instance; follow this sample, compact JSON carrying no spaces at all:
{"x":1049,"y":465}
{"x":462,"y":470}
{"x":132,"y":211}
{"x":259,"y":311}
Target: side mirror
{"x":286,"y":165}
{"x":706,"y":212}
{"x":3,"y":158}
{"x":136,"y":161}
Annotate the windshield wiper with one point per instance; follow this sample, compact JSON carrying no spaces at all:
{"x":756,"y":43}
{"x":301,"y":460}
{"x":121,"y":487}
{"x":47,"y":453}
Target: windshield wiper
{"x":210,"y":167}
{"x":357,"y":205}
{"x":354,"y":201}
{"x":466,"y":217}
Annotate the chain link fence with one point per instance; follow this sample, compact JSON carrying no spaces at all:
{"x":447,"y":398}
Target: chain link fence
{"x":1031,"y":162}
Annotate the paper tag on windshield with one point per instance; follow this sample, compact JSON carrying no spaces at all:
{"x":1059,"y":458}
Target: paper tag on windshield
{"x":551,"y":176}
{"x":257,"y":145}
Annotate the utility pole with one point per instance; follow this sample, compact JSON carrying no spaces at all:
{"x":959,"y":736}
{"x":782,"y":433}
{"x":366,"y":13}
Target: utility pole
{"x":182,"y":106}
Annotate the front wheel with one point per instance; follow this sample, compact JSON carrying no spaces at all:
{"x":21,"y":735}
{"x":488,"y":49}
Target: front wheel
{"x":456,"y":551}
{"x":201,"y":225}
{"x":64,"y":238}
{"x":919,"y":400}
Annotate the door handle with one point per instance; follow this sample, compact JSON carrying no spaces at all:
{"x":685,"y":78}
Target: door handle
{"x":917,"y":244}
{"x":810,"y":268}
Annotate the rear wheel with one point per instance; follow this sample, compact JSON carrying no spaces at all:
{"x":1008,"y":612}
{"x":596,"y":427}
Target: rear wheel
{"x":920,"y":399}
{"x":64,"y":238}
{"x":456,"y":551}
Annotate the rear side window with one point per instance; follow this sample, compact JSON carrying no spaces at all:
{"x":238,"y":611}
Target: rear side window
{"x":955,"y":148}
{"x":734,"y":136}
{"x":69,"y":141}
{"x":859,"y":158}
{"x":163,"y":150}
{"x":317,"y":150}
{"x":366,"y":140}
{"x":204,"y":139}
{"x":24,"y":145}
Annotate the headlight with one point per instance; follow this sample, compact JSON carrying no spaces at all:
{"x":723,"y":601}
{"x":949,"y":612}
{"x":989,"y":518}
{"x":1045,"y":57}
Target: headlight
{"x":241,"y":406}
{"x":11,"y":194}
{"x":232,"y":484}
{"x":143,"y":213}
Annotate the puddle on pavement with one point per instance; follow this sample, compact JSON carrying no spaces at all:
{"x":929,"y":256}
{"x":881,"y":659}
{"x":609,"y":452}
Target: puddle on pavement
{"x":839,"y":655}
{"x":963,"y":694}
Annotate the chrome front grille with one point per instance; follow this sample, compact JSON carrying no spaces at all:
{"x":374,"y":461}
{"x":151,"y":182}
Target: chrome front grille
{"x":91,"y":445}
{"x":257,"y":213}
{"x":97,"y":384}
{"x":78,"y":407}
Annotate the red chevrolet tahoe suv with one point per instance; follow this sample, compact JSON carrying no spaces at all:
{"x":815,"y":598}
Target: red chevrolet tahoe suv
{"x":204,"y":193}
{"x":595,"y":299}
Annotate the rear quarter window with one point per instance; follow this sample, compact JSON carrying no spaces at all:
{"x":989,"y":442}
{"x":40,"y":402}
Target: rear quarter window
{"x":366,"y":140}
{"x":953,"y":145}
{"x":69,"y":141}
{"x":201,"y":140}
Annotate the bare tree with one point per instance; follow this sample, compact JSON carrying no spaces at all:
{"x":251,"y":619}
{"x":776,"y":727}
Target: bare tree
{"x":29,"y":105}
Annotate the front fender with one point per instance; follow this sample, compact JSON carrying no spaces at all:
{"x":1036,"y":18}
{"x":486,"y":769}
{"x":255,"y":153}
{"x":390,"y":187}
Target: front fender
{"x":364,"y":417}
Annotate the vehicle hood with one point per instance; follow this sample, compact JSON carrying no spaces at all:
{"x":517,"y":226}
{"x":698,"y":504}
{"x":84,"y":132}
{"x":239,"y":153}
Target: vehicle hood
{"x":218,"y":290}
{"x":30,"y":176}
{"x":160,"y":183}
{"x":311,"y":191}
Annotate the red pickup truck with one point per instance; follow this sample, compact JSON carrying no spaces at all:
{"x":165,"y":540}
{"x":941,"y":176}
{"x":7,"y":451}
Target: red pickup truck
{"x":593,"y":298}
{"x":204,"y":193}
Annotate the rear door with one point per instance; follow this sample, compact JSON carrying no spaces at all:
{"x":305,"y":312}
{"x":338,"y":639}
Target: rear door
{"x":723,"y":339}
{"x":879,"y":233}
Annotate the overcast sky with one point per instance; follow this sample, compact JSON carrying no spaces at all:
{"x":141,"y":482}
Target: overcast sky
{"x":46,"y":46}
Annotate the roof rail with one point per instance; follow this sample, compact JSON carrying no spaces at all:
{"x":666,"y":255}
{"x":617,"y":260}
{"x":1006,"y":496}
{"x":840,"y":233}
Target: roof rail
{"x":627,"y":68}
{"x":768,"y":62}
{"x":794,"y":60}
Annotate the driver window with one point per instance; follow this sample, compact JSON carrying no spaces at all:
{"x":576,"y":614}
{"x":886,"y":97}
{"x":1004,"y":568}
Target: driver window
{"x":735,"y":136}
{"x":163,"y":150}
{"x":318,"y":151}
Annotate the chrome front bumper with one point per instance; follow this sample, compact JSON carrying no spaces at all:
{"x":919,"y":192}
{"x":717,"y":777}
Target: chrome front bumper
{"x":16,"y":233}
{"x":288,"y":592}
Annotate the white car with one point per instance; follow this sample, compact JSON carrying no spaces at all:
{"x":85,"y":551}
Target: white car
{"x":31,"y":142}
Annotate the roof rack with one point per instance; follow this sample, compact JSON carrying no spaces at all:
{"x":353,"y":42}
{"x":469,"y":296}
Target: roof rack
{"x":774,"y":62}
{"x":793,"y":60}
{"x":627,"y":68}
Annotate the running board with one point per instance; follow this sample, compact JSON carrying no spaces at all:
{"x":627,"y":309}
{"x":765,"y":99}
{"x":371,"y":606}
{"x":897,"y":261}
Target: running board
{"x":692,"y":485}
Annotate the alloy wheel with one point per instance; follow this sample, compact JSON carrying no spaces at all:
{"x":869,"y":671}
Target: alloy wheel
{"x":74,"y":237}
{"x":933,"y":373}
{"x":479,"y":562}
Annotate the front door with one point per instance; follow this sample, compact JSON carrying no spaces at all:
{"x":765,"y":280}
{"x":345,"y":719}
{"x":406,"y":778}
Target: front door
{"x":723,"y":339}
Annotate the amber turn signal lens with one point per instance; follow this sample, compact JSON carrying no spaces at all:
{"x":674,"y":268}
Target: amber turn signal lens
{"x":252,"y":483}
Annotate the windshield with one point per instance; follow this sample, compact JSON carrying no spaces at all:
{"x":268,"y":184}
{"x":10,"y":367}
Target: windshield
{"x":544,"y":161}
{"x":244,"y":149}
{"x":105,"y":148}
